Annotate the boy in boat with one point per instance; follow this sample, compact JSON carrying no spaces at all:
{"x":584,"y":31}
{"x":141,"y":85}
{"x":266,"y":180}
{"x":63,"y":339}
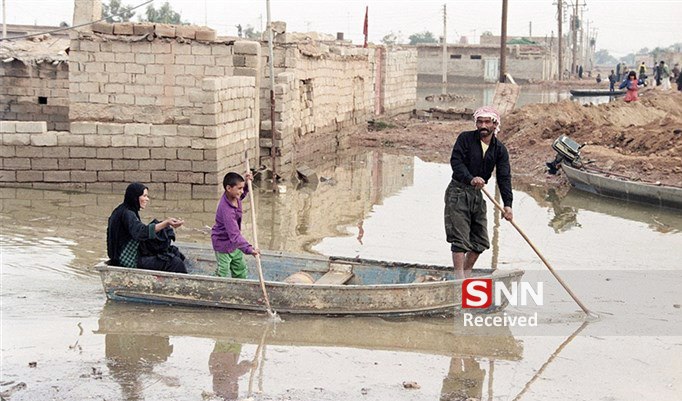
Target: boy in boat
{"x":228,"y":243}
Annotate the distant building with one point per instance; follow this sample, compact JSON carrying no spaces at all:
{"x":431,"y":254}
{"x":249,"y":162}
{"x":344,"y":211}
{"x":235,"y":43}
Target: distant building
{"x":526,"y":61}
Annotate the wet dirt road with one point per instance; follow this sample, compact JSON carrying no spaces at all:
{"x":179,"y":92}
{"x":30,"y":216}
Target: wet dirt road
{"x":621,"y":259}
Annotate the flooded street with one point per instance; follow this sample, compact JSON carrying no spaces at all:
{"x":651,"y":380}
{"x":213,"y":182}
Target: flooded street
{"x":621,"y":259}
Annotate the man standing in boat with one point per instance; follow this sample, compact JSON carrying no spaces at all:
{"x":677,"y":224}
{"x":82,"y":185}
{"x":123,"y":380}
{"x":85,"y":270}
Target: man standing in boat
{"x":474,"y":156}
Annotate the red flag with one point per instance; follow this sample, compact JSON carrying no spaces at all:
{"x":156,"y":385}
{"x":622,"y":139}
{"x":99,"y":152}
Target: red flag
{"x":365,"y":29}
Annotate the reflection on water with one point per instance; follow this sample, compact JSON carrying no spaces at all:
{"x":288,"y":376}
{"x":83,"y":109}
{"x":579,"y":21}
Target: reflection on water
{"x":370,"y":204}
{"x":137,"y":341}
{"x":473,"y":97}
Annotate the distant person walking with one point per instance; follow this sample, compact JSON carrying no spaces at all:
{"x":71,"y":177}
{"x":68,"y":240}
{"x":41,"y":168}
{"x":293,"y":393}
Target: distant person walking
{"x":618,"y":72}
{"x":657,"y":74}
{"x":580,"y":72}
{"x":664,"y":72}
{"x":631,"y":84}
{"x":612,"y":81}
{"x":642,"y":71}
{"x":676,"y":71}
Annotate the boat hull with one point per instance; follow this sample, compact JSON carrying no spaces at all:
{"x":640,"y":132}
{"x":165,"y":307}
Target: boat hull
{"x":371,"y":292}
{"x":659,"y":195}
{"x":596,"y":92}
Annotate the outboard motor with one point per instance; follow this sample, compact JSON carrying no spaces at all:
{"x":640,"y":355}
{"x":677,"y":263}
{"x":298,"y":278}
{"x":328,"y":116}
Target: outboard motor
{"x":566,"y":149}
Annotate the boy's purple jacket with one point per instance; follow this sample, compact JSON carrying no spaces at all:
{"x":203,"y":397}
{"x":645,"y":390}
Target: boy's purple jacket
{"x":226,"y":233}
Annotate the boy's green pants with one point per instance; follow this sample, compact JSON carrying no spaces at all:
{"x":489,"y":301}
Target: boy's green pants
{"x":231,"y":264}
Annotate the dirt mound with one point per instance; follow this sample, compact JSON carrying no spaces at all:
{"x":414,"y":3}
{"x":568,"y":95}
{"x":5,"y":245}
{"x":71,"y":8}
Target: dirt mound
{"x":641,"y":140}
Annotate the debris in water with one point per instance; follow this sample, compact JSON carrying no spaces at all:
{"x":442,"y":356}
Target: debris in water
{"x":411,"y":385}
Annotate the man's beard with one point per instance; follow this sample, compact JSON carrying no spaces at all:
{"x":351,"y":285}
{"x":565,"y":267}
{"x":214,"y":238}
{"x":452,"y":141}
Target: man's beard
{"x":483,"y":132}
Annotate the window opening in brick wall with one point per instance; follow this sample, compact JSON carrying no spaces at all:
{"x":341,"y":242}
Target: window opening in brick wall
{"x":456,"y":56}
{"x":475,"y":56}
{"x":42,"y":99}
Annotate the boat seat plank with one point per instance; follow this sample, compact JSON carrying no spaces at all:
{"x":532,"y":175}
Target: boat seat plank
{"x":339,"y":273}
{"x":333,"y":277}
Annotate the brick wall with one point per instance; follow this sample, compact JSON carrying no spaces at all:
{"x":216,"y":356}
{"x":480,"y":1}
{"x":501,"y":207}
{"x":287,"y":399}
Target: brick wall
{"x":190,"y":157}
{"x":165,"y":111}
{"x":35,"y":92}
{"x":399,"y":81}
{"x":326,"y":93}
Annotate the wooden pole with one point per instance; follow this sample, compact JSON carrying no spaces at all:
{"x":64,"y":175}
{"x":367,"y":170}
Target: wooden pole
{"x":255,"y":239}
{"x":445,"y":51}
{"x":537,"y":251}
{"x":273,"y":131}
{"x":503,"y":44}
{"x":560,"y":66}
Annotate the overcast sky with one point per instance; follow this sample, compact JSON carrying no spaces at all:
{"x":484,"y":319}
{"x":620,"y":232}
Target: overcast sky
{"x":621,"y":26}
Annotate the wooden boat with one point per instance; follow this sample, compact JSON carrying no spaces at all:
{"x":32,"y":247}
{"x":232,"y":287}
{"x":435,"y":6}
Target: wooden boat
{"x":597,"y":92}
{"x":341,"y":286}
{"x":406,"y":334}
{"x":614,"y":187}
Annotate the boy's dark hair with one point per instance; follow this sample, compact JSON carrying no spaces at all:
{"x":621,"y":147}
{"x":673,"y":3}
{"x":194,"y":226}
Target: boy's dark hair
{"x":231,"y":179}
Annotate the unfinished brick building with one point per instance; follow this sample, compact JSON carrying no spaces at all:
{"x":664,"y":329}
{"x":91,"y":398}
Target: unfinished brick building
{"x":176,"y":107}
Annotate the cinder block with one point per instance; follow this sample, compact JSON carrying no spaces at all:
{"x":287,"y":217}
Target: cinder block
{"x":205,"y":35}
{"x":246,"y":47}
{"x":178,"y":165}
{"x":8,"y":126}
{"x":29,"y":176}
{"x":123,"y":141}
{"x":83,"y":127}
{"x":8,"y":177}
{"x":97,"y":165}
{"x":143,"y":28}
{"x":150,"y":141}
{"x":186,"y":31}
{"x":56,"y":176}
{"x":164,"y":176}
{"x":44,"y":139}
{"x":31,"y":126}
{"x":137,"y":129}
{"x":67,"y":139}
{"x":164,"y":30}
{"x":110,"y":176}
{"x":110,"y":129}
{"x":72,"y":164}
{"x":83,"y":176}
{"x":135,"y":153}
{"x":126,"y":164}
{"x":103,"y":27}
{"x":123,"y":28}
{"x":139,"y":176}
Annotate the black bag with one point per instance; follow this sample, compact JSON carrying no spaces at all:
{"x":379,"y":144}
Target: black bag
{"x":161,"y":244}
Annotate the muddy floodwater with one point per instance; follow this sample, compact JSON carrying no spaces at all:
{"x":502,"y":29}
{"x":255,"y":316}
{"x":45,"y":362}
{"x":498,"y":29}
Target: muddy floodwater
{"x":61,"y":340}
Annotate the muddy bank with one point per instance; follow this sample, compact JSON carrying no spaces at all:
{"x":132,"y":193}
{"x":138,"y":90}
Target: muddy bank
{"x":642,"y":140}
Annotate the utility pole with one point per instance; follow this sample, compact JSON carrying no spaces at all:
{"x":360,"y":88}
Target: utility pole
{"x":4,"y":20}
{"x":551,"y":54}
{"x":273,"y":131}
{"x":574,"y":28}
{"x":530,"y":29}
{"x":503,"y":43}
{"x":560,"y":65}
{"x":445,"y":50}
